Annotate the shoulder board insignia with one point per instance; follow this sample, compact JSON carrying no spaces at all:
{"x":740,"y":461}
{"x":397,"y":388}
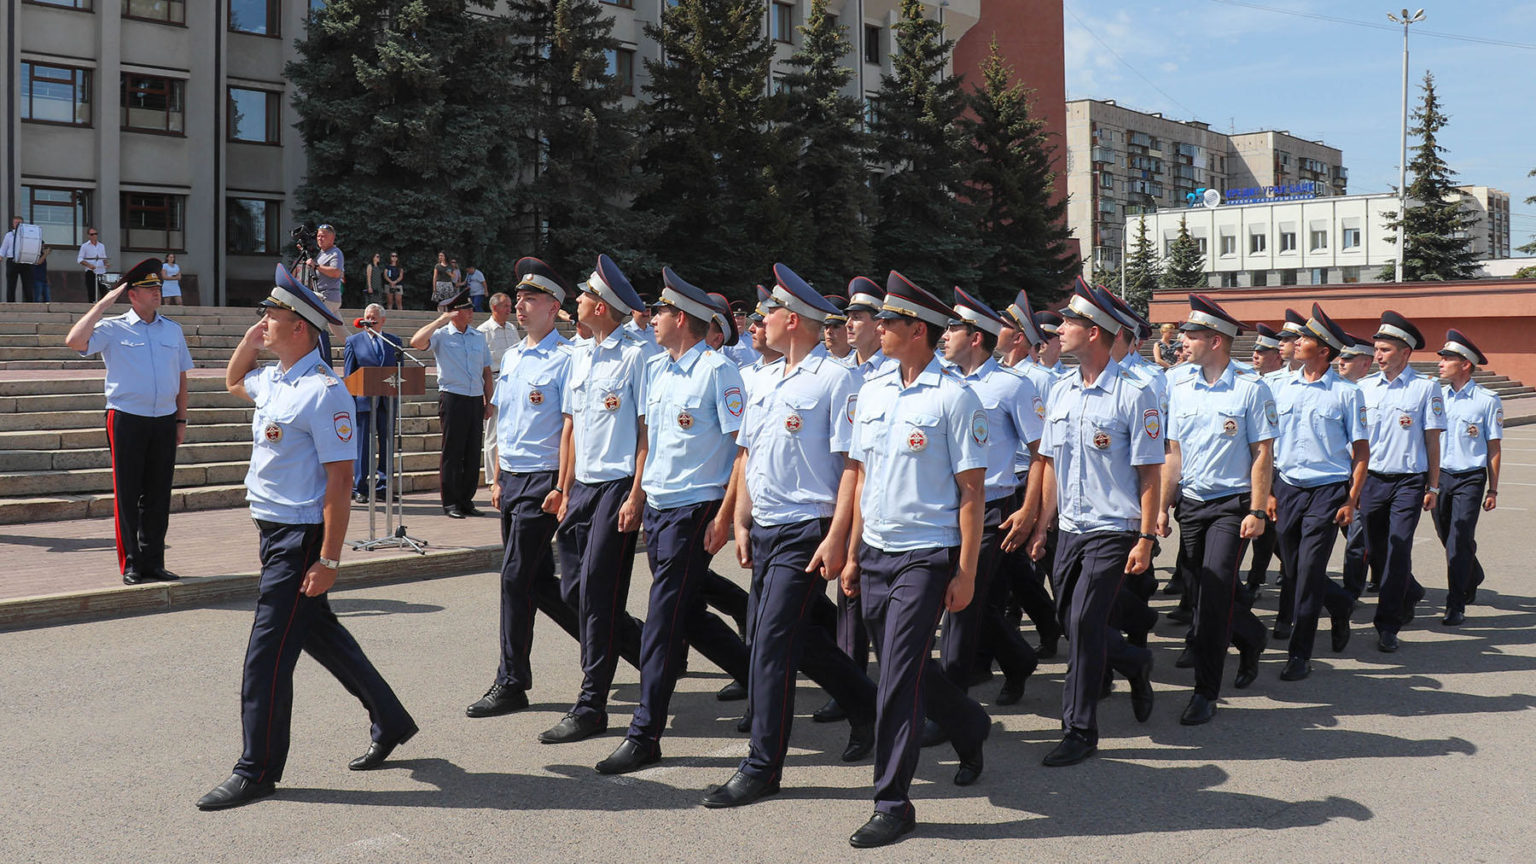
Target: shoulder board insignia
{"x":325,"y":372}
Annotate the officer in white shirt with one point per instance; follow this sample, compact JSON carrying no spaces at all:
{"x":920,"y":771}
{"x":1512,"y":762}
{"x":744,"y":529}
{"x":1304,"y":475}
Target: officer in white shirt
{"x":1470,"y":453}
{"x":500,"y":334}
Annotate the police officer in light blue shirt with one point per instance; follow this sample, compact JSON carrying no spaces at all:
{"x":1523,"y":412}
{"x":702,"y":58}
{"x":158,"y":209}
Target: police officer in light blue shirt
{"x":1406,"y":415}
{"x":742,"y":353}
{"x":1470,"y":453}
{"x":465,"y":387}
{"x":1320,"y":462}
{"x":298,"y":486}
{"x":1049,"y":353}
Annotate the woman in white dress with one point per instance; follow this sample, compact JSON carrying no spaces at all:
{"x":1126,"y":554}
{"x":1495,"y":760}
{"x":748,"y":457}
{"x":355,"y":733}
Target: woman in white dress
{"x":170,"y":280}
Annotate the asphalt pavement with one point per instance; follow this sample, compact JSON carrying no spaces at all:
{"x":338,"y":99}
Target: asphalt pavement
{"x":112,"y":729}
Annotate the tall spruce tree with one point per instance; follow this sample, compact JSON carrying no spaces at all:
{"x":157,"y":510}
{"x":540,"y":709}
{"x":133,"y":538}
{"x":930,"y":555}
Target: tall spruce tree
{"x":925,"y":228}
{"x":1142,"y":270}
{"x":711,"y":159}
{"x":578,"y":143}
{"x":408,"y":130}
{"x":826,"y":184}
{"x":1438,"y":230}
{"x":1185,"y":268}
{"x":1011,"y":187}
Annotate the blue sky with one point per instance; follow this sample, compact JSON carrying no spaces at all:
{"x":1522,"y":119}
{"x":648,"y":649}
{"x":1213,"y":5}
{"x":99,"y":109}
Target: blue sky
{"x":1240,"y":67}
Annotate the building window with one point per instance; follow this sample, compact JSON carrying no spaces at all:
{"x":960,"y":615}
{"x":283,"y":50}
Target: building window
{"x":1257,"y":243}
{"x":1106,"y":180}
{"x":621,"y":65}
{"x":1319,"y":241}
{"x":253,"y":116}
{"x":1287,"y":277}
{"x":872,"y":37}
{"x":154,"y":222}
{"x":779,"y":85}
{"x":1258,"y":278}
{"x":871,"y":110}
{"x":1349,"y":275}
{"x":1229,"y":244}
{"x":153,"y":104}
{"x":1319,"y":276}
{"x":1287,"y":241}
{"x":250,"y":226}
{"x":1229,"y":279}
{"x":783,"y":23}
{"x":82,"y":5}
{"x":627,"y":4}
{"x":164,"y":11}
{"x":62,"y":214}
{"x":1350,"y":238}
{"x":254,"y":16}
{"x":1203,"y":246}
{"x":55,"y":94}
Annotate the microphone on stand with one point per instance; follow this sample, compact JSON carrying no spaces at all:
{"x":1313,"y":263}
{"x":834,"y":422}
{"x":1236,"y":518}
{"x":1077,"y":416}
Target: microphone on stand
{"x":363,"y":322}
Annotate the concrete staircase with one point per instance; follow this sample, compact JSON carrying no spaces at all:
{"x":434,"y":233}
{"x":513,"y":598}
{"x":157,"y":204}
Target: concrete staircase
{"x":54,"y":462}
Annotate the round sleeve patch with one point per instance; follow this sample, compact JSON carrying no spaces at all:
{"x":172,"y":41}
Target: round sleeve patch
{"x":342,"y":420}
{"x":1152,"y":422}
{"x":979,"y":430}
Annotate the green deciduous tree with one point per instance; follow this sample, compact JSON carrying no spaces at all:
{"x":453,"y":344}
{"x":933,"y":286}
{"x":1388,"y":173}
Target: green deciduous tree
{"x":1438,"y":230}
{"x":1010,"y":186}
{"x":1142,"y":270}
{"x":1185,"y":268}
{"x":409,"y":134}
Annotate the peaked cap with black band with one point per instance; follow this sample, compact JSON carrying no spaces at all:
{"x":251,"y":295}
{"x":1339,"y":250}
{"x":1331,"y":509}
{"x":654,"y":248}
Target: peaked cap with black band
{"x":145,"y":274}
{"x":903,"y":299}
{"x":971,"y":311}
{"x":609,"y":284}
{"x":840,"y":303}
{"x":1084,"y":306}
{"x":1395,"y":326}
{"x":1049,"y":324}
{"x":288,"y":294}
{"x":533,"y":274}
{"x":1022,"y":318}
{"x":686,"y":297}
{"x":1207,"y":314}
{"x":1268,"y":339}
{"x":1457,"y":344}
{"x":1357,"y":347}
{"x":1323,"y":329}
{"x":1295,"y":324}
{"x":725,"y":318}
{"x":796,"y":295}
{"x":865,"y":294}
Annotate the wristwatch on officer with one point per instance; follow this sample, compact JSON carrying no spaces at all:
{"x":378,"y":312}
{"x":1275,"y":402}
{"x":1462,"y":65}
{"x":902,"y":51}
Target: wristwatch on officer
{"x":1433,"y":490}
{"x":1259,"y":514}
{"x":1145,"y":536}
{"x":330,"y":563}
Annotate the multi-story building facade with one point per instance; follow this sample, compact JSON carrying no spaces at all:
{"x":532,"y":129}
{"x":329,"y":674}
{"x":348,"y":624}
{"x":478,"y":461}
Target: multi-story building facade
{"x":168,"y":124}
{"x":1490,"y":236}
{"x":1123,"y":163}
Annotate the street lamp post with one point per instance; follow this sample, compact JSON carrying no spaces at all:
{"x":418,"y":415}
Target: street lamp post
{"x":1402,"y":163}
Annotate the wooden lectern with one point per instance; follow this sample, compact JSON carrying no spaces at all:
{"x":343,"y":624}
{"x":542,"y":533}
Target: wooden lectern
{"x":375,"y":383}
{"x":382,"y":381}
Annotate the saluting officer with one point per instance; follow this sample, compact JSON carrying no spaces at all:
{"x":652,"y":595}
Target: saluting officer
{"x":298,"y":485}
{"x":147,"y":361}
{"x":465,"y":387}
{"x":1221,"y":429}
{"x":792,"y":530}
{"x":1469,"y":469}
{"x":1320,"y":461}
{"x":920,"y":445}
{"x":1101,"y":454}
{"x":694,"y":404}
{"x":1406,"y":414}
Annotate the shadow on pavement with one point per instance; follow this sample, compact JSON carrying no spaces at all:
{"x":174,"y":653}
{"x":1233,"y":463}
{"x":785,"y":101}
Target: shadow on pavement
{"x":361,"y":608}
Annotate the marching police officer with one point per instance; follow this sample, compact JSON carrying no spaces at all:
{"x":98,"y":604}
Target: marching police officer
{"x":1050,"y":351}
{"x":1265,"y":359}
{"x":1353,"y":364}
{"x":835,"y":334}
{"x":1321,"y":460}
{"x":147,"y":361}
{"x":465,"y":388}
{"x":1101,"y":454}
{"x":1469,"y":469}
{"x":1291,"y":329}
{"x":694,"y":405}
{"x":1406,"y":415}
{"x":298,"y":486}
{"x":920,"y":444}
{"x":792,"y":530}
{"x":1221,"y":429}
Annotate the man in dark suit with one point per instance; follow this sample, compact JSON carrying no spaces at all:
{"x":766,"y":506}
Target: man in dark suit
{"x":371,"y":347}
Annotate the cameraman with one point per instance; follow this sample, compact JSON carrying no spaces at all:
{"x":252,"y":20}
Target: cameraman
{"x":329,"y":267}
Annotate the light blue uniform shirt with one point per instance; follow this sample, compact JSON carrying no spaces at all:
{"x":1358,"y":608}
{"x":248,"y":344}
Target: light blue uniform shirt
{"x":876,"y":364}
{"x":742,"y":353}
{"x":913,"y":441}
{"x":646,"y":334}
{"x":692,"y":406}
{"x":1096,"y":437}
{"x":796,"y":430}
{"x":1474,"y":416}
{"x":1153,"y":377}
{"x":1059,"y":369}
{"x":303,"y":422}
{"x":144,"y":361}
{"x":1398,"y":413}
{"x":1009,"y":399}
{"x":530,"y":404}
{"x":605,"y":398}
{"x":751,"y":372}
{"x":461,"y":360}
{"x":1215,"y":426}
{"x":1319,"y":423}
{"x":1043,"y":379}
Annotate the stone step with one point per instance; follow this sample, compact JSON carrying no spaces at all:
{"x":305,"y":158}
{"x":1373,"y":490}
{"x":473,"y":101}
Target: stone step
{"x":196,"y":416}
{"x":94,"y":383}
{"x":96,"y":400}
{"x":68,"y":460}
{"x":417,"y":433}
{"x":16,"y":484}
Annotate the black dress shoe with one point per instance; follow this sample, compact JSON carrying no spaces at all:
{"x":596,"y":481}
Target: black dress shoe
{"x":1373,"y":587}
{"x":378,"y":751}
{"x":1048,"y":646}
{"x":1295,"y":669}
{"x":744,"y":725}
{"x":1141,"y":692}
{"x":829,"y":713}
{"x":498,"y":700}
{"x":1181,"y":615}
{"x":1282,"y":630}
{"x":740,"y":790}
{"x":1411,"y":603}
{"x":1073,"y":749}
{"x":161,"y":574}
{"x":235,"y":791}
{"x":933,"y":734}
{"x":1174,"y":588}
{"x":1186,"y":659}
{"x":882,"y":829}
{"x":470,"y":510}
{"x":629,"y":756}
{"x":732,"y":692}
{"x":359,"y":498}
{"x":1339,"y":632}
{"x":861,"y":740}
{"x":1012,"y":690}
{"x":1198,"y":712}
{"x":134,"y":577}
{"x":1109,"y":686}
{"x":1454,"y":618}
{"x":452,"y":513}
{"x":970,"y":768}
{"x":574,"y":727}
{"x":1386,"y":642}
{"x":1248,"y":664}
{"x":978,"y":677}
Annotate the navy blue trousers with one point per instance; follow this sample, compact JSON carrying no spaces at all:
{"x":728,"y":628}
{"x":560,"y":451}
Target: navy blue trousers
{"x":596,"y":562}
{"x":526,"y":564}
{"x":902,"y":594}
{"x":1456,"y":512}
{"x":981,"y":624}
{"x":1263,"y":554}
{"x":852,"y":635}
{"x":676,"y":614}
{"x":375,"y":443}
{"x":1304,"y":518}
{"x":1355,"y":558}
{"x":286,"y":623}
{"x":1210,"y":542}
{"x":1088,"y":575}
{"x":143,"y":468}
{"x":463,"y":422}
{"x":787,"y":636}
{"x":1391,"y":505}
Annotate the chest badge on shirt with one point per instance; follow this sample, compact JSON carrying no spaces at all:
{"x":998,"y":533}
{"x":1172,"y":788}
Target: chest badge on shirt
{"x":685,"y":420}
{"x":611,"y":402}
{"x":917,"y":442}
{"x":1472,"y":430}
{"x":1101,"y":439}
{"x":342,"y":421}
{"x":535,"y":397}
{"x":273,"y":433}
{"x":1405,"y":421}
{"x":793,"y":423}
{"x":1229,"y":427}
